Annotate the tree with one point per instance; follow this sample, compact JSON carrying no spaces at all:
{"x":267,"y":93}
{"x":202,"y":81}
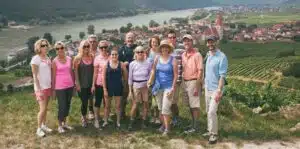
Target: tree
{"x":129,"y":26}
{"x":68,"y":37}
{"x":103,"y":30}
{"x":48,"y":37}
{"x":91,"y":29}
{"x":241,"y":25}
{"x":145,"y":28}
{"x":81,"y":35}
{"x":152,"y":23}
{"x":165,"y":22}
{"x":4,"y":20}
{"x":30,"y":43}
{"x":232,"y":25}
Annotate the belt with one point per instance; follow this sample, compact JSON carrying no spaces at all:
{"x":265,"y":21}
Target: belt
{"x":139,"y":81}
{"x":189,"y":79}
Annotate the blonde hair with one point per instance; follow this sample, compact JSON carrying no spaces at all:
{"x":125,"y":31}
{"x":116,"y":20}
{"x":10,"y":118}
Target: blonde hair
{"x":59,"y":43}
{"x":37,"y":45}
{"x":80,"y":50}
{"x":138,"y":48}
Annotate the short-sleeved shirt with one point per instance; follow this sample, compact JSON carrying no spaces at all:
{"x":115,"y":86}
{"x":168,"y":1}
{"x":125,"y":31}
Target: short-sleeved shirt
{"x":192,"y":65}
{"x":126,"y":54}
{"x":100,"y":62}
{"x":216,"y":66}
{"x":44,"y":72}
{"x":139,"y":73}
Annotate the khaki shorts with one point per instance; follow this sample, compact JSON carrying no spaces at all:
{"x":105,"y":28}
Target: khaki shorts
{"x":164,"y":102}
{"x":140,"y":94}
{"x":189,"y":87}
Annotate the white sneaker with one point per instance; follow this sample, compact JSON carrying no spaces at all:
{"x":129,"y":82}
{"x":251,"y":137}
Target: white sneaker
{"x":157,"y":121}
{"x":45,"y":128}
{"x":61,"y":129}
{"x":96,"y":124}
{"x":91,"y":116}
{"x":207,"y":134}
{"x":40,"y":133}
{"x":213,"y":139}
{"x":67,"y":127}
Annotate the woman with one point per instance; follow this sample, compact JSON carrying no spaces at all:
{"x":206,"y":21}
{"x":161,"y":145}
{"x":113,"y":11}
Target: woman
{"x":165,"y":72}
{"x":97,"y":87}
{"x":83,"y":65}
{"x":41,"y":70}
{"x":115,"y":73}
{"x":62,"y":78}
{"x":153,"y":52}
{"x":139,"y":71}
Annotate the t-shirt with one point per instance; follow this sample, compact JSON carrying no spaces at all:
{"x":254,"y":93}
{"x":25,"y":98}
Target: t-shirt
{"x":100,"y":62}
{"x":44,"y":72}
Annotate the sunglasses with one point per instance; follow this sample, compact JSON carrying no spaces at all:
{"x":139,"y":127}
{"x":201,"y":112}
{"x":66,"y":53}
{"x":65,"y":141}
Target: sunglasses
{"x":86,"y":47}
{"x":139,"y":52}
{"x":104,"y":47}
{"x":44,"y":45}
{"x":172,"y":37}
{"x":61,"y":48}
{"x":92,"y":41}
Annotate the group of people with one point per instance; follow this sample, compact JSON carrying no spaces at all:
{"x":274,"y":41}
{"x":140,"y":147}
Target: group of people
{"x":154,"y":77}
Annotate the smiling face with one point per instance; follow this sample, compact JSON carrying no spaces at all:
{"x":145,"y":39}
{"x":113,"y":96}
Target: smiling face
{"x":114,"y":55}
{"x":86,"y":48}
{"x":211,"y":44}
{"x":129,"y":39}
{"x":60,"y":50}
{"x":103,"y":47}
{"x":165,"y":50}
{"x":44,"y":48}
{"x":154,"y":43}
{"x":188,"y":43}
{"x":93,"y":43}
{"x":172,"y":39}
{"x":140,"y":55}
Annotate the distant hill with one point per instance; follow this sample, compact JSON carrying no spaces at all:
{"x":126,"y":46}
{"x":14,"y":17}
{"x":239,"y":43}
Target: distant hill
{"x":246,"y":2}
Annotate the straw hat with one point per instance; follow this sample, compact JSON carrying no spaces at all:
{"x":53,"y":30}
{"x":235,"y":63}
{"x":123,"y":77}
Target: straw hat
{"x":165,"y":43}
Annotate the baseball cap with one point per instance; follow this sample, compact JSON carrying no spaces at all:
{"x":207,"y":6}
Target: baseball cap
{"x":188,"y":36}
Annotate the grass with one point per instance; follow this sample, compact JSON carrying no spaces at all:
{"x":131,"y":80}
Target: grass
{"x":7,"y":77}
{"x":237,"y":123}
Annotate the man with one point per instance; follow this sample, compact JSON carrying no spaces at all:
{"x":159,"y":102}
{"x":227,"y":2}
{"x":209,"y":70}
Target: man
{"x":94,"y":43}
{"x":192,"y":75}
{"x":178,"y":50}
{"x":126,"y":55}
{"x":215,"y":72}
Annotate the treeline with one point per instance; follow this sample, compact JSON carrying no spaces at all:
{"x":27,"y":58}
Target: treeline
{"x":59,"y":11}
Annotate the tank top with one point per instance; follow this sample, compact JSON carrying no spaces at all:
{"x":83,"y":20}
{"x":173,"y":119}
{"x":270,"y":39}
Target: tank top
{"x":85,"y":74}
{"x":63,"y":79}
{"x":164,"y":73}
{"x":113,"y":76}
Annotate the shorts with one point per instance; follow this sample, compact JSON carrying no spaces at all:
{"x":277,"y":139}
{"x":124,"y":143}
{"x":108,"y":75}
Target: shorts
{"x":189,"y":87}
{"x":164,"y":102}
{"x":140,"y":94}
{"x":43,"y":94}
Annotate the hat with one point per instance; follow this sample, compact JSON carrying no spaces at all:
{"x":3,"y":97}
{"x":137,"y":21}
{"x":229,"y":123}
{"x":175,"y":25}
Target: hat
{"x":139,"y":48}
{"x":213,"y":38}
{"x":188,"y":36}
{"x":164,"y":43}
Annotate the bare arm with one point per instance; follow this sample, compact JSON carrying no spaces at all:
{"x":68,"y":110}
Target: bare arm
{"x":76,"y":64}
{"x":200,"y":71}
{"x":96,"y":69}
{"x":35,"y":69}
{"x":53,"y":75}
{"x":175,"y":73}
{"x":104,"y":78}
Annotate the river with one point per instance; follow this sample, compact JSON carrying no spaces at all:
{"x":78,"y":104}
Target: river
{"x":12,"y":39}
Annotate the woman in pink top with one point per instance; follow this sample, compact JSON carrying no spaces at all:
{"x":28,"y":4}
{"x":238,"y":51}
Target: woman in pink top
{"x":97,"y":87}
{"x":41,"y":70}
{"x":63,"y":83}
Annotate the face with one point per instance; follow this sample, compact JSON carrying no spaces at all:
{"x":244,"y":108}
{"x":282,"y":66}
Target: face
{"x":114,"y":55}
{"x":60,"y":50}
{"x":129,"y":39}
{"x":165,"y":50}
{"x":93,"y":42}
{"x":103,"y":47}
{"x":172,"y":38}
{"x":211,"y":44}
{"x":188,"y":43}
{"x":44,"y":47}
{"x":140,"y":55}
{"x":86,"y":48}
{"x":154,"y":43}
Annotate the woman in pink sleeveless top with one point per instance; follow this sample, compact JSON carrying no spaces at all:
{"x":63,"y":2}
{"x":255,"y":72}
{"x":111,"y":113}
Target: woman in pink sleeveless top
{"x":63,"y":83}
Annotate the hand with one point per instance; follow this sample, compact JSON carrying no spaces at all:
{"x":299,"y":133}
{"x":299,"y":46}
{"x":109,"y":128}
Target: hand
{"x":218,"y":96}
{"x":78,"y":87}
{"x":196,"y":91}
{"x":149,"y":84}
{"x":105,"y":93}
{"x":130,"y":96}
{"x":170,"y":93}
{"x":126,"y":63}
{"x":93,"y":89}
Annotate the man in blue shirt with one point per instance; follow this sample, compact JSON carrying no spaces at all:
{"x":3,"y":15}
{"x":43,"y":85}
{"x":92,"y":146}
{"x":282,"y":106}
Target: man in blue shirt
{"x":215,"y":73}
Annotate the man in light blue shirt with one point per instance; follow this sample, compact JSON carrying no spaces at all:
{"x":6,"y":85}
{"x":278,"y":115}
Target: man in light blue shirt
{"x":215,"y":73}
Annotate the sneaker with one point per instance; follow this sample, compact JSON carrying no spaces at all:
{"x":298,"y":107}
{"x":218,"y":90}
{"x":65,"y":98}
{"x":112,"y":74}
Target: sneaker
{"x":207,"y":134}
{"x":213,"y":139}
{"x":118,"y":126}
{"x":91,"y":115}
{"x":161,"y":129}
{"x":83,"y":123}
{"x":61,"y":129}
{"x":192,"y":130}
{"x":40,"y":133}
{"x":67,"y":127}
{"x":96,"y":124}
{"x":46,"y":129}
{"x":104,"y":124}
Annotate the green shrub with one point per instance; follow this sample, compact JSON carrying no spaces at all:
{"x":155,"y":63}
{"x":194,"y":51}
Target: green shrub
{"x":286,"y":53}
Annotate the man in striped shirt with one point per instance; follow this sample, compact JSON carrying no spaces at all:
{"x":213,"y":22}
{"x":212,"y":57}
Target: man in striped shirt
{"x":178,"y":50}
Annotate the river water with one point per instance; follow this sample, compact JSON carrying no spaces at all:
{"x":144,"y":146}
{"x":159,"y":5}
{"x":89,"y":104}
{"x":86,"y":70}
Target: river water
{"x":12,"y":39}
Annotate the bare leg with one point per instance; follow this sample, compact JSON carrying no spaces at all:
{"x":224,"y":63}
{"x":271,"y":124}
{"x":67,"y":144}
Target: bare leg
{"x":118,"y":108}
